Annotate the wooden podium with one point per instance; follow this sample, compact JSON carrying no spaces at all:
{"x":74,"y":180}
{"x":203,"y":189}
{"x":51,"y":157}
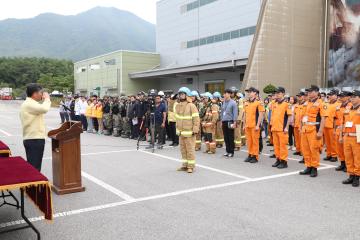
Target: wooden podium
{"x":66,"y":158}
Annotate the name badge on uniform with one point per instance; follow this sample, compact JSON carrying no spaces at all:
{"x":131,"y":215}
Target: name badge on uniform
{"x":349,"y":124}
{"x":305,"y":119}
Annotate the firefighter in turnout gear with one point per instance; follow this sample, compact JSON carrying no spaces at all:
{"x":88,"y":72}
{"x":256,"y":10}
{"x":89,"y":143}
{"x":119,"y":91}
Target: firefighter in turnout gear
{"x":187,"y":126}
{"x":219,"y":135}
{"x":238,"y":136}
{"x":351,"y":134}
{"x":209,"y":123}
{"x":195,"y":100}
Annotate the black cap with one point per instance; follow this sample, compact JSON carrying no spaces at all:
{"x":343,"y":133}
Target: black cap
{"x":251,"y":89}
{"x":313,"y":88}
{"x":280,"y":90}
{"x":356,"y":93}
{"x":333,"y":92}
{"x":345,"y":94}
{"x":301,"y":94}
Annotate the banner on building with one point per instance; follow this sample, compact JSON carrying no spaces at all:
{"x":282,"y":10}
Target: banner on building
{"x":344,"y":44}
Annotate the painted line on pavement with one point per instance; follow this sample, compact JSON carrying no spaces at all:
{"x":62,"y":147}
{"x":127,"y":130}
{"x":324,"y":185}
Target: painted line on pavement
{"x":5,"y":133}
{"x":107,"y":186}
{"x":200,"y":166}
{"x":155,"y":197}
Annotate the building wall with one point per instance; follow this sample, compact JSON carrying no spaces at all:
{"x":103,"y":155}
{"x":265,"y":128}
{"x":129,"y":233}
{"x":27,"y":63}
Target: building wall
{"x":110,"y":72}
{"x":180,"y":26}
{"x":230,"y":79}
{"x":288,"y":46}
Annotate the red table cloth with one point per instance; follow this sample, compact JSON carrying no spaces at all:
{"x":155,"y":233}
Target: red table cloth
{"x":15,"y":173}
{"x":4,"y":150}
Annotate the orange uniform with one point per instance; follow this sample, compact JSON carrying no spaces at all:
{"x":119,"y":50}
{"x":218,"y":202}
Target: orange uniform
{"x":311,"y":146}
{"x":298,"y":114}
{"x":252,"y":111}
{"x":351,"y":146}
{"x":280,"y":113}
{"x":329,"y":136}
{"x":339,"y":119}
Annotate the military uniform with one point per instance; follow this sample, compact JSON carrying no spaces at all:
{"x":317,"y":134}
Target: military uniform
{"x":115,"y":110}
{"x":107,"y":119}
{"x":187,"y":126}
{"x":209,"y":126}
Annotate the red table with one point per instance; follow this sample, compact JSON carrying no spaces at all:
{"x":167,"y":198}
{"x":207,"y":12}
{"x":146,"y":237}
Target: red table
{"x":16,"y":173}
{"x":4,"y":150}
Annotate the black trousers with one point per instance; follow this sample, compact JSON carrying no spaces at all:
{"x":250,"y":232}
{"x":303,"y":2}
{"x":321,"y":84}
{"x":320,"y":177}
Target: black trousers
{"x":159,"y":134}
{"x":34,"y":149}
{"x":174,"y":138}
{"x":228,"y":137}
{"x":84,"y":122}
{"x":291,"y":136}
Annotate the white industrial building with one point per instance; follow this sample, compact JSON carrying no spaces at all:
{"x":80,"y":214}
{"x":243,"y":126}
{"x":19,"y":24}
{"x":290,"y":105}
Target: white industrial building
{"x":203,"y":44}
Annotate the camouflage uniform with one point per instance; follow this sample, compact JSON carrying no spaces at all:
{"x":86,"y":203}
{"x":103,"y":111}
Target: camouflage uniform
{"x":115,"y":109}
{"x":107,"y":119}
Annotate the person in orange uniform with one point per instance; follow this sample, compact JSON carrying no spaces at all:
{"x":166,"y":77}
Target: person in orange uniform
{"x":253,"y":116}
{"x":351,"y":144}
{"x":329,"y":136}
{"x":297,"y":122}
{"x":345,"y":102}
{"x":313,"y":123}
{"x":280,"y":125}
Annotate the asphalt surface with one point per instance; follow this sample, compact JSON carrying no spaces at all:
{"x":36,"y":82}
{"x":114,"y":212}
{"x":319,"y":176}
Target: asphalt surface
{"x":139,"y":195}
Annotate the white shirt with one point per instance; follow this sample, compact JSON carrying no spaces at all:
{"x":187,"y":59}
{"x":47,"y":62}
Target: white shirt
{"x":83,"y":106}
{"x":77,"y":107}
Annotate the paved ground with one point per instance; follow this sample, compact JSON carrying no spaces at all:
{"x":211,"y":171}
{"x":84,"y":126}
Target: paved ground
{"x":138,"y":195}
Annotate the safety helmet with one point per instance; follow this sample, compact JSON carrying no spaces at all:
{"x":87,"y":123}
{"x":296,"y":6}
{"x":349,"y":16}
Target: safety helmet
{"x":194,"y":94}
{"x":208,"y":95}
{"x":185,"y":90}
{"x":234,"y":89}
{"x":161,"y":94}
{"x":217,"y":95}
{"x":153,"y":92}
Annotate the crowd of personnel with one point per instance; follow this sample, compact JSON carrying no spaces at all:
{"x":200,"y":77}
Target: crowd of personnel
{"x":308,"y":123}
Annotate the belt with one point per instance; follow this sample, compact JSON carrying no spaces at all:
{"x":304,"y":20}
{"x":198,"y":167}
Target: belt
{"x":312,"y":123}
{"x":350,"y":134}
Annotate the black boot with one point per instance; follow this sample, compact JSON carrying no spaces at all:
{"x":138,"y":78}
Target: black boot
{"x":327,"y":158}
{"x":356,"y":182}
{"x":248,"y":159}
{"x":350,"y":180}
{"x":302,"y":161}
{"x":341,"y":167}
{"x":313,"y":172}
{"x":283,"y":164}
{"x":297,"y":153}
{"x":307,"y":171}
{"x":273,"y":156}
{"x":333,"y":159}
{"x":277,"y":163}
{"x":253,"y":160}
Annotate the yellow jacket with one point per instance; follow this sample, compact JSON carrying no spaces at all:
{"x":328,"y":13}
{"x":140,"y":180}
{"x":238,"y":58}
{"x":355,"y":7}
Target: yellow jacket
{"x":187,"y":119}
{"x":32,"y":118}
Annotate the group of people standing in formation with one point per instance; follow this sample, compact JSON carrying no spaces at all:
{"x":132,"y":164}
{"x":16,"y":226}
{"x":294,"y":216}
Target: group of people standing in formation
{"x":311,"y":120}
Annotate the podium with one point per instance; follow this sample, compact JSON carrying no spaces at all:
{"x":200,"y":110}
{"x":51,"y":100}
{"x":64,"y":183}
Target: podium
{"x":66,"y":158}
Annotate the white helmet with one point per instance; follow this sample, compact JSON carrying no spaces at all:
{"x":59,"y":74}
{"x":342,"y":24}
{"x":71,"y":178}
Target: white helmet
{"x":161,"y":93}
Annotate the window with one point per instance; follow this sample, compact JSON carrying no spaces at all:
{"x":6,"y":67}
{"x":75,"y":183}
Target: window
{"x":190,"y":44}
{"x":218,"y":38}
{"x":235,"y":34}
{"x":194,"y":5}
{"x":210,"y":40}
{"x":203,"y":41}
{"x":252,"y":30}
{"x":226,"y":36}
{"x":244,"y":32}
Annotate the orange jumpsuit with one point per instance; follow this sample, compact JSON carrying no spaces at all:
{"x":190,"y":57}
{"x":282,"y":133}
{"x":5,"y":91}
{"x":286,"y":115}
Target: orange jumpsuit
{"x":281,"y":112}
{"x":311,"y":146}
{"x":351,"y":146}
{"x":252,"y":111}
{"x":339,"y":119}
{"x":271,"y":104}
{"x":329,"y":137}
{"x":298,"y":113}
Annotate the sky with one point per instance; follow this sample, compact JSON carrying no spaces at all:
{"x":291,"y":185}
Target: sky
{"x":145,"y":9}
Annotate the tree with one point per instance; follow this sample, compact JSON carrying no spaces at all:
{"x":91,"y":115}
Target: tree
{"x":269,"y":89}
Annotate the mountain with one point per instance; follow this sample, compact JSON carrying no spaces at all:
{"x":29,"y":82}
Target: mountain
{"x":88,"y":34}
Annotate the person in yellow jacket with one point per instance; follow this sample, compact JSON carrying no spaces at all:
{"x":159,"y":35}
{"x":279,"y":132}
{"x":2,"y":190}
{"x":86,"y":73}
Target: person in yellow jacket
{"x":209,"y":123}
{"x":187,"y":126}
{"x":172,"y":121}
{"x":99,"y":115}
{"x":88,"y":114}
